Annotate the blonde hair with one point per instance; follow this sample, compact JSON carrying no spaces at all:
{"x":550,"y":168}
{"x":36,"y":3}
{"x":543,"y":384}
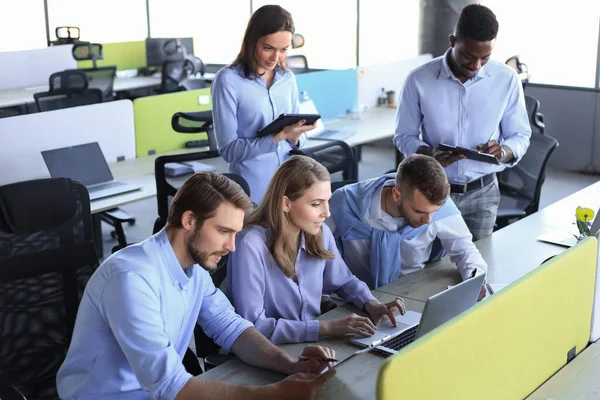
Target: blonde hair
{"x":292,"y":179}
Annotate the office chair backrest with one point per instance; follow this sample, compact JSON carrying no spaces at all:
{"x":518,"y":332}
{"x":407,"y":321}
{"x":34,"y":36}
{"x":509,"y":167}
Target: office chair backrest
{"x":172,"y":73}
{"x":48,"y":101}
{"x":297,"y":63}
{"x":526,"y":178}
{"x":70,"y":79}
{"x":102,"y":78}
{"x":536,"y":119}
{"x":47,"y":255}
{"x":335,"y":155}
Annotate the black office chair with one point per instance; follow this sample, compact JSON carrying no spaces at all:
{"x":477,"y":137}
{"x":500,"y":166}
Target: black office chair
{"x":521,"y":185}
{"x":536,"y":119}
{"x":297,"y":64}
{"x":337,"y":157}
{"x":172,"y":73}
{"x":102,"y":78}
{"x":521,"y":69}
{"x":47,"y":255}
{"x":67,"y":89}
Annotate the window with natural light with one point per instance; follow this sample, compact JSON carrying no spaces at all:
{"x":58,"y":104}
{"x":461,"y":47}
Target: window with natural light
{"x":557,"y":41}
{"x":216,"y":26}
{"x":22,"y":25}
{"x":105,"y":21}
{"x":388,"y":36}
{"x":329,"y":30}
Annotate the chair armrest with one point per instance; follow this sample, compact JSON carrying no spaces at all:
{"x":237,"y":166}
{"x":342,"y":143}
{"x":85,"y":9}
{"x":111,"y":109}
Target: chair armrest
{"x":510,"y":213}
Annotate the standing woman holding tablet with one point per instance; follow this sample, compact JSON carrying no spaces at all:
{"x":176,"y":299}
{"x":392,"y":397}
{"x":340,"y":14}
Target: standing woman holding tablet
{"x":286,"y":259}
{"x":251,"y":93}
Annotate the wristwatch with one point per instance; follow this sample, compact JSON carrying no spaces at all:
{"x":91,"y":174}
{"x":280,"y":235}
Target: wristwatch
{"x":502,"y":153}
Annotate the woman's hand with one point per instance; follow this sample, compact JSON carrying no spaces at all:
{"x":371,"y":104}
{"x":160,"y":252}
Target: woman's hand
{"x":293,"y":132}
{"x":353,"y":323}
{"x":377,"y":310}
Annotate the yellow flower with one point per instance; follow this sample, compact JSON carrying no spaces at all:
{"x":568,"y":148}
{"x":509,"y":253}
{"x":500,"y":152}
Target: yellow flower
{"x":584,"y":214}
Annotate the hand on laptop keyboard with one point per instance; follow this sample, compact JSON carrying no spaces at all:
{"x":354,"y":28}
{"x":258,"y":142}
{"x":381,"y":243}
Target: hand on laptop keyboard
{"x":351,"y":324}
{"x":377,"y":310}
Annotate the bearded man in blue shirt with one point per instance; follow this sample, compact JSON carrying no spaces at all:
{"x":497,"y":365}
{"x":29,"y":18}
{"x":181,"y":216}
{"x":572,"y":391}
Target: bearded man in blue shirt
{"x":465,"y":99}
{"x":139,"y":309}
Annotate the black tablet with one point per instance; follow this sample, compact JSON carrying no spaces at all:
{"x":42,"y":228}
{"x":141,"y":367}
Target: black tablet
{"x":287,"y":119}
{"x":471,"y":154}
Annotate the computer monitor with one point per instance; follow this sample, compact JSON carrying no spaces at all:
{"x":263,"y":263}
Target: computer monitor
{"x":159,"y":50}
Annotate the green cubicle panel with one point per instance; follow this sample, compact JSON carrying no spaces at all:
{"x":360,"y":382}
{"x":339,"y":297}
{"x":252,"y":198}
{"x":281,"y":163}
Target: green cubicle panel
{"x":125,"y":55}
{"x":152,"y":115}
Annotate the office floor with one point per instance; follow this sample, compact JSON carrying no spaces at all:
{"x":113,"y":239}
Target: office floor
{"x":376,"y":160}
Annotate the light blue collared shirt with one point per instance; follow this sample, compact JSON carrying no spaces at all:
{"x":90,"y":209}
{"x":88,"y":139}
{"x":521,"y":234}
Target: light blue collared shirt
{"x":135,"y":322}
{"x":242,"y":107}
{"x":281,"y":309}
{"x":489,"y":106}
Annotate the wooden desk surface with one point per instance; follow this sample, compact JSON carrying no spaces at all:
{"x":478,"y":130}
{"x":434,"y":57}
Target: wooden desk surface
{"x":354,"y":380}
{"x":578,"y":380}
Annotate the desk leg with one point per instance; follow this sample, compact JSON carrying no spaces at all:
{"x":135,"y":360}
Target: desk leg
{"x":97,"y":232}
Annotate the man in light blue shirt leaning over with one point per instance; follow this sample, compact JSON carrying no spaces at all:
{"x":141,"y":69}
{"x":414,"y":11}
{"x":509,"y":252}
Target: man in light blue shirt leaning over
{"x":139,"y":309}
{"x":465,"y":99}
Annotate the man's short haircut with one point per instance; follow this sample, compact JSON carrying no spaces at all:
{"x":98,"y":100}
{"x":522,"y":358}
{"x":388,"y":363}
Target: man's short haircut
{"x":202,"y":194}
{"x":425,"y":173}
{"x":477,"y":22}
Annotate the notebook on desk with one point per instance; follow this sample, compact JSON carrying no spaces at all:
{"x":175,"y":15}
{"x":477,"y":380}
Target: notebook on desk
{"x":86,"y":163}
{"x":412,"y":325}
{"x":566,"y":238}
{"x":320,"y":132}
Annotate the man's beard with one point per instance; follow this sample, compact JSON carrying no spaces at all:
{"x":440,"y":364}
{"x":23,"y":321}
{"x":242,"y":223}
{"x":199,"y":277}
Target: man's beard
{"x":199,"y":257}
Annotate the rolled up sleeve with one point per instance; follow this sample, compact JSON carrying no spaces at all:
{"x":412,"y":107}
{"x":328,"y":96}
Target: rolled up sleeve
{"x":218,"y":318}
{"x":132,"y":311}
{"x":514,"y":124}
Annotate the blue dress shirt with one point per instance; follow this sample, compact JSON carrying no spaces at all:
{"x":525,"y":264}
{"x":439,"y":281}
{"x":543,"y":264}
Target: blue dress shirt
{"x":135,"y":322}
{"x":242,"y":107}
{"x":489,"y":106}
{"x":281,"y":309}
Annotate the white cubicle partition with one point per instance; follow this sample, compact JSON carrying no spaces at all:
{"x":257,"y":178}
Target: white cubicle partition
{"x":31,"y":68}
{"x":24,"y":137}
{"x":389,"y":76}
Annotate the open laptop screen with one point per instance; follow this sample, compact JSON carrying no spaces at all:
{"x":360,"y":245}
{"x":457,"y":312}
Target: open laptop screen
{"x":84,"y":163}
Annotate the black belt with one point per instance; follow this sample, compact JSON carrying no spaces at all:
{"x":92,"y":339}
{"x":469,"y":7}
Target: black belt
{"x":473,"y":185}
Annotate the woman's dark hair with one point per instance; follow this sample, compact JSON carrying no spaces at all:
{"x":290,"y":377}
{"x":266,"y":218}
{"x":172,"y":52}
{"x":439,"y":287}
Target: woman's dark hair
{"x":265,"y":21}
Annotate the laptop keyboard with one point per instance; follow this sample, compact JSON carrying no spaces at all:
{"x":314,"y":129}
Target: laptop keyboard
{"x":104,"y":186}
{"x":402,"y":340}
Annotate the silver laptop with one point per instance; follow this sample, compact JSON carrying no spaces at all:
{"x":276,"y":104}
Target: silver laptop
{"x":320,"y":133}
{"x":566,"y":238}
{"x":438,"y":309}
{"x":86,"y":163}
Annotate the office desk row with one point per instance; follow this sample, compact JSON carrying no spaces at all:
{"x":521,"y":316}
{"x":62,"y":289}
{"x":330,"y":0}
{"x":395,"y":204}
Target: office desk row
{"x":20,"y":96}
{"x":511,"y":253}
{"x":369,"y":126}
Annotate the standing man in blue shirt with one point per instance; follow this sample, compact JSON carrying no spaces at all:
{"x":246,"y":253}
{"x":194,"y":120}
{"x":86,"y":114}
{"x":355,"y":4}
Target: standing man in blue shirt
{"x":465,"y":99}
{"x":139,"y":309}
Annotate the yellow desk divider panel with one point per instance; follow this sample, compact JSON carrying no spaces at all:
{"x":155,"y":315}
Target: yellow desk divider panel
{"x":125,"y":55}
{"x":506,"y":346}
{"x":152,"y":115}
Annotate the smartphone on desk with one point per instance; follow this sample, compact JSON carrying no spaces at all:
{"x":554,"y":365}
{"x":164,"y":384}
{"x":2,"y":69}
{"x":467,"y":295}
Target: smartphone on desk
{"x":287,"y":119}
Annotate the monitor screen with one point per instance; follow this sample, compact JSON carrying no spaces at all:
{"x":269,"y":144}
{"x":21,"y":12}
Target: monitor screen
{"x":159,"y":50}
{"x":84,"y":163}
